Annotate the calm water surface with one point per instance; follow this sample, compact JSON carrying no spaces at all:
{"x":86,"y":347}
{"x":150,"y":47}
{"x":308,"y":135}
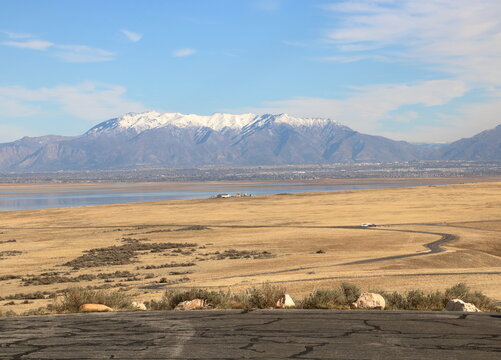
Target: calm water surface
{"x":57,"y":196}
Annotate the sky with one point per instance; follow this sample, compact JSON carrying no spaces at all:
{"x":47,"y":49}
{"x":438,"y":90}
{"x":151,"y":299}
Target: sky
{"x":420,"y":71}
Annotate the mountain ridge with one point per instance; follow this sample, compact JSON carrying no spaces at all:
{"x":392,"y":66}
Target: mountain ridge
{"x":153,"y":139}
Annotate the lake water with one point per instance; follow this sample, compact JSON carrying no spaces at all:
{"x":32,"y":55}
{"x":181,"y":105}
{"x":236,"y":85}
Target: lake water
{"x":18,"y":197}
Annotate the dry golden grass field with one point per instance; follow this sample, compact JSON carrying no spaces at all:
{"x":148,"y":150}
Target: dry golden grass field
{"x":302,"y":241}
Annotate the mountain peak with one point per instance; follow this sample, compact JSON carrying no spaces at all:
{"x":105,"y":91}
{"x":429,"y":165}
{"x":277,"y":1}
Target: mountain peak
{"x":139,"y":122}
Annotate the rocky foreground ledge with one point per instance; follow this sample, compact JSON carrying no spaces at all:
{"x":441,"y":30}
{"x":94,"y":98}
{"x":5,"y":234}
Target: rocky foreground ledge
{"x":262,"y":334}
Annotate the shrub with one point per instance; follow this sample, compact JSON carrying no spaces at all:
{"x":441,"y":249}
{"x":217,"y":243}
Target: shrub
{"x":39,"y":311}
{"x":120,"y":255}
{"x":73,"y":298}
{"x":30,"y":296}
{"x":325,"y":299}
{"x":351,"y":292}
{"x":394,"y":300}
{"x":462,"y":291}
{"x":233,"y":254}
{"x":172,"y":297}
{"x":458,"y":291}
{"x":418,"y":300}
{"x":340,"y":298}
{"x":9,"y":313}
{"x":263,"y":297}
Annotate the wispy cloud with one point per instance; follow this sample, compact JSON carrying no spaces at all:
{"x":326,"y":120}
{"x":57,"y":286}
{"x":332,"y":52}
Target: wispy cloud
{"x":459,"y":37}
{"x":366,"y":107}
{"x":14,"y":35}
{"x":132,"y":36}
{"x":82,"y":54}
{"x":183,"y":52}
{"x":67,"y":53}
{"x":88,"y":101}
{"x":29,"y":44}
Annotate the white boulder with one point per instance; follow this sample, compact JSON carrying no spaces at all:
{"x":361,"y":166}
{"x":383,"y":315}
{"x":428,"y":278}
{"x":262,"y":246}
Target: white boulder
{"x":138,"y":305}
{"x":195,"y":304}
{"x":460,"y":305}
{"x":369,"y":301}
{"x":285,"y":302}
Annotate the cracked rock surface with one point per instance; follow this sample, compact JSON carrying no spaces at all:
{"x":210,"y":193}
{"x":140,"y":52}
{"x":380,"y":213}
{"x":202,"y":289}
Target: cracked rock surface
{"x":273,"y":334}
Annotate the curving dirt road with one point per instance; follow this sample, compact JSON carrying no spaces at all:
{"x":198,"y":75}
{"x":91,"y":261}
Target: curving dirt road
{"x":433,"y":247}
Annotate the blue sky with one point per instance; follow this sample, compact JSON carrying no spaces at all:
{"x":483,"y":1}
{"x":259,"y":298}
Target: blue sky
{"x":424,"y":71}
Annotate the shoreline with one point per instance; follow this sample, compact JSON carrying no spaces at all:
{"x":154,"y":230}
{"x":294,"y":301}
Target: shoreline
{"x":327,"y":181}
{"x":99,"y":193}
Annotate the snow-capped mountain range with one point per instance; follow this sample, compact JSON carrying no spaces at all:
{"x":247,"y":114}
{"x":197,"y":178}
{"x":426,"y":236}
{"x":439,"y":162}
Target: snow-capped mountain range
{"x":153,"y":139}
{"x":218,"y":121}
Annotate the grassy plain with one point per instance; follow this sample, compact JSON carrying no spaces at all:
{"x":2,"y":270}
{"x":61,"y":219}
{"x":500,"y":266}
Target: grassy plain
{"x":302,"y":241}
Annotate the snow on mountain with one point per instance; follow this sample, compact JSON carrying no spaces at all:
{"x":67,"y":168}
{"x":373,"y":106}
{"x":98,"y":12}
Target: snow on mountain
{"x":139,"y":122}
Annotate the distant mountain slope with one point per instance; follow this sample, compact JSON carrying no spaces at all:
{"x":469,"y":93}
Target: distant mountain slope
{"x":14,"y":152}
{"x":172,"y":140}
{"x":483,"y":146}
{"x":154,"y":139}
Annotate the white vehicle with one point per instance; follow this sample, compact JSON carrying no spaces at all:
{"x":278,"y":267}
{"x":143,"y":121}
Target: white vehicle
{"x":368,"y":225}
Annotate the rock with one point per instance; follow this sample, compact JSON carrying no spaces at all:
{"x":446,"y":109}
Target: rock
{"x":460,"y":305}
{"x":285,"y":302}
{"x":94,"y":307}
{"x":195,"y":304}
{"x":138,"y":305}
{"x":370,"y":301}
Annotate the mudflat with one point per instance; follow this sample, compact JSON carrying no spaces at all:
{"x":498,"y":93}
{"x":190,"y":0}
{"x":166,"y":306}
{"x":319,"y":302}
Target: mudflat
{"x":427,"y":237}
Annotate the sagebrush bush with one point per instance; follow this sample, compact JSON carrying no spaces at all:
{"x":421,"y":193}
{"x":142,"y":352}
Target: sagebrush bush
{"x":340,"y":298}
{"x":351,"y":292}
{"x":418,"y":300}
{"x":458,"y":291}
{"x":324,"y":299}
{"x":462,"y":291}
{"x":172,"y":297}
{"x":73,"y":298}
{"x":263,"y":297}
